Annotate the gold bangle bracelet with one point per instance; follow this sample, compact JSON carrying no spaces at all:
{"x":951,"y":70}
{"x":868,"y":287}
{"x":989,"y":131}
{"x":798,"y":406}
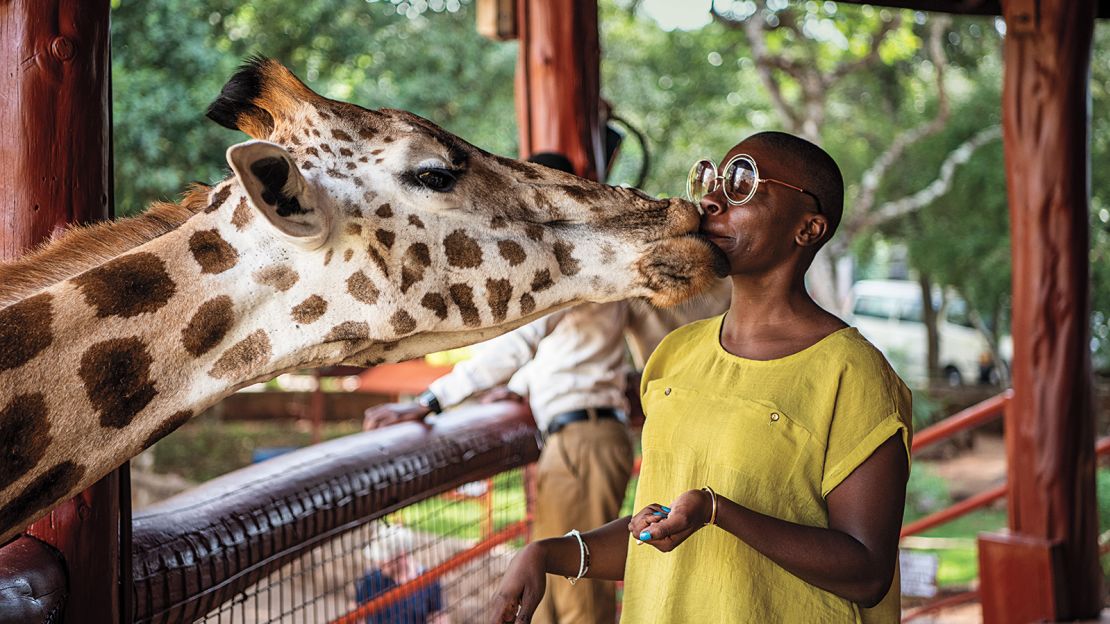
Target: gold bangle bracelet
{"x":713,"y":508}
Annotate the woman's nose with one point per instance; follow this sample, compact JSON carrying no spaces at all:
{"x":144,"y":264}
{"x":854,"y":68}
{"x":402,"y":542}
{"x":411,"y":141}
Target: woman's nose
{"x":712,"y":205}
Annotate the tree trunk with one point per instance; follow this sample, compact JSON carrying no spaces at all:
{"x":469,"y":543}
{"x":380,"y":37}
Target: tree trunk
{"x":932,"y":332}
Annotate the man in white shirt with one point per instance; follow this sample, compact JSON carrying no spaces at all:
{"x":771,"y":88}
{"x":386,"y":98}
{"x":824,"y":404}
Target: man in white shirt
{"x":570,"y":367}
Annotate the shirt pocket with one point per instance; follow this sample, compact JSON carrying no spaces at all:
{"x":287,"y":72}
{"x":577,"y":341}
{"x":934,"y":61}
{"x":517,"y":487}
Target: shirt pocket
{"x":750,"y":450}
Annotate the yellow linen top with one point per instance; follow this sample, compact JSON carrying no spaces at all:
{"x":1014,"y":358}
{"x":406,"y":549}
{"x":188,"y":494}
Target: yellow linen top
{"x":774,"y":436}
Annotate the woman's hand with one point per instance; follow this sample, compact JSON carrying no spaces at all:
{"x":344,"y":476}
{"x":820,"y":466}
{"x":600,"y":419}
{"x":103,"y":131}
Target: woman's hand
{"x":522,"y":586}
{"x":667,"y":527}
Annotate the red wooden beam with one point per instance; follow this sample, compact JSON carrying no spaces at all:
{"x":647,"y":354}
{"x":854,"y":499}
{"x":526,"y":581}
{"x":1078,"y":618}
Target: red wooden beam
{"x":558,"y":82}
{"x":1047,"y":565}
{"x":55,"y":169}
{"x":966,"y":419}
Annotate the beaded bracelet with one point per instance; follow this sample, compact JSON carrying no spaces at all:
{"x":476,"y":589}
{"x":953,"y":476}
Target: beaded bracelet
{"x":583,"y":556}
{"x":713,"y":509}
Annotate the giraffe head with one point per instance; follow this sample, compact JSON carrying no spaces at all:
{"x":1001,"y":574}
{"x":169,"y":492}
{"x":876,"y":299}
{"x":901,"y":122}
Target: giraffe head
{"x":431,"y":235}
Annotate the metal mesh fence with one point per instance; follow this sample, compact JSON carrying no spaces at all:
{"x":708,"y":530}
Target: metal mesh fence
{"x":436,"y":561}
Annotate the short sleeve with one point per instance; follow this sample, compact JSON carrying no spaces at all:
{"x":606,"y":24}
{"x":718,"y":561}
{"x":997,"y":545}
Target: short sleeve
{"x":872,"y":406}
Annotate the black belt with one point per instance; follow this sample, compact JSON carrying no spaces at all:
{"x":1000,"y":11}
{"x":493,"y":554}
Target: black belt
{"x":598,"y":413}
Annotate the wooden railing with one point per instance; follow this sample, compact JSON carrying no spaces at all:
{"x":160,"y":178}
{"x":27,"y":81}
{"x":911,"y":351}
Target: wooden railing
{"x":972,"y":417}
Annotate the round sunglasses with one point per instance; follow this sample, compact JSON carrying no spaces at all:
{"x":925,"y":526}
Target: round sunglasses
{"x":739,"y":181}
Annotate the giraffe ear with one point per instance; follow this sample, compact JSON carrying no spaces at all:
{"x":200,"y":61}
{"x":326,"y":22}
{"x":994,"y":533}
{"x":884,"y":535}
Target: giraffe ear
{"x":276,"y":187}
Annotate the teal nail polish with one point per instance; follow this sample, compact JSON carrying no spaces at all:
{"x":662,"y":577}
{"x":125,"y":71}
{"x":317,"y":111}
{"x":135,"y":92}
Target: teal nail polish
{"x":645,"y":536}
{"x":658,"y":513}
{"x":666,"y":509}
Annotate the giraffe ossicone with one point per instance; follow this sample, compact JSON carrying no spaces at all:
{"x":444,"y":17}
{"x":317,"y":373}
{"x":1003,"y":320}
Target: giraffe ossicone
{"x":343,"y":235}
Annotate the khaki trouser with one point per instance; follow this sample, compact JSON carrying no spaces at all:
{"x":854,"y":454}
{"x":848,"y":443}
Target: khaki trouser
{"x":581,"y":478}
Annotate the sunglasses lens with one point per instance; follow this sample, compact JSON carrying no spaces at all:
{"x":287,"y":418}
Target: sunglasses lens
{"x":700,"y":182}
{"x":740,"y":180}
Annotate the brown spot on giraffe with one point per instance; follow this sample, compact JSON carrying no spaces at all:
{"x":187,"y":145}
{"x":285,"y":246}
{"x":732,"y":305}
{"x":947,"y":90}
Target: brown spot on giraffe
{"x":498,"y":294}
{"x":218,"y":199}
{"x":250,"y":352}
{"x":498,"y":222}
{"x":309,"y":310}
{"x":25,"y":431}
{"x":326,"y":148}
{"x":127,"y":286}
{"x":212,"y":252}
{"x":350,"y":165}
{"x":542,"y":280}
{"x":348,"y":254}
{"x":166,"y":428}
{"x":376,"y":256}
{"x":346,"y":151}
{"x":511,"y":251}
{"x":47,"y":488}
{"x":282,"y":277}
{"x":335,"y":173}
{"x":307,"y":165}
{"x":341,"y":135}
{"x":417,"y":257}
{"x":353,"y":229}
{"x":463,"y":296}
{"x":375,"y":152}
{"x":209,"y":325}
{"x":527,"y":304}
{"x":384,"y":211}
{"x":25,"y":330}
{"x":242,"y":215}
{"x":365,"y":132}
{"x":436,"y":303}
{"x":385,"y":237}
{"x":462,"y":251}
{"x":348,"y":331}
{"x":416,"y":222}
{"x":362,"y":288}
{"x":568,"y":264}
{"x":116,"y":375}
{"x":327,"y":257}
{"x":534,"y":232}
{"x":403,"y":323}
{"x":312,"y":151}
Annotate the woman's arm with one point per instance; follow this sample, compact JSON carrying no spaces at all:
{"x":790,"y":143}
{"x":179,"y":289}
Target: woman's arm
{"x":854,"y":558}
{"x":524,"y":582}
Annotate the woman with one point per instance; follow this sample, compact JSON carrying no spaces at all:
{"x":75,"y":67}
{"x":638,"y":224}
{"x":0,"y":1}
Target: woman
{"x":776,"y":446}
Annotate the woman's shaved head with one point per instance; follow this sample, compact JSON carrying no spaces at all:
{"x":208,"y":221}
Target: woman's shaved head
{"x":811,"y":168}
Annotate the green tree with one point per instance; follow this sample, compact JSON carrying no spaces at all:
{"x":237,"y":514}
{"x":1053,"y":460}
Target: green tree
{"x":171,"y":57}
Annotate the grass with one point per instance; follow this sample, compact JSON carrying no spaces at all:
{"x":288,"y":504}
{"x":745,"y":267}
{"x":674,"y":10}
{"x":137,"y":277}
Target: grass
{"x":959,"y":566}
{"x":451,"y":515}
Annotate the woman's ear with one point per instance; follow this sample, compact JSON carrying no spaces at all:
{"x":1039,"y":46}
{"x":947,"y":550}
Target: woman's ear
{"x":813,"y":231}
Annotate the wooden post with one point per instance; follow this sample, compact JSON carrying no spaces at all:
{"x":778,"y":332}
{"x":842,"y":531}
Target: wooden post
{"x":1047,"y":566}
{"x":558,"y":82}
{"x":55,"y":169}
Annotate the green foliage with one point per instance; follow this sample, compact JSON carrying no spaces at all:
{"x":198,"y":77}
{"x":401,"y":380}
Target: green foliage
{"x":171,"y":57}
{"x":926,"y":493}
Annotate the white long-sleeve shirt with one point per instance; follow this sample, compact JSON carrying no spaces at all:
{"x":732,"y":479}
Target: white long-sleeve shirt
{"x":572,"y":359}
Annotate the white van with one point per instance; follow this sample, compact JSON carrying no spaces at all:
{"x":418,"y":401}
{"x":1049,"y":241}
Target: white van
{"x":889,"y":314}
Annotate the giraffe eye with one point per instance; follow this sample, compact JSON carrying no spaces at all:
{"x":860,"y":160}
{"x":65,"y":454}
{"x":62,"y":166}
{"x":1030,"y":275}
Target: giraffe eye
{"x":436,"y":179}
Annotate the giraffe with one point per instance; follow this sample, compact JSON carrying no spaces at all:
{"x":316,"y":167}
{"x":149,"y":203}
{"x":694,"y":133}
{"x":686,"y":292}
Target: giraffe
{"x":342,"y":235}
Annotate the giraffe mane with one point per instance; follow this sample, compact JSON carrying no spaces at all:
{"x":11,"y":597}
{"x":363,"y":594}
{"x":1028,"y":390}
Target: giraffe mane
{"x":80,"y":248}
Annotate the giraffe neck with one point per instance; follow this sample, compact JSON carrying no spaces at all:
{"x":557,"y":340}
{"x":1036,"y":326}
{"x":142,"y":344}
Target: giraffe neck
{"x":96,"y":368}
